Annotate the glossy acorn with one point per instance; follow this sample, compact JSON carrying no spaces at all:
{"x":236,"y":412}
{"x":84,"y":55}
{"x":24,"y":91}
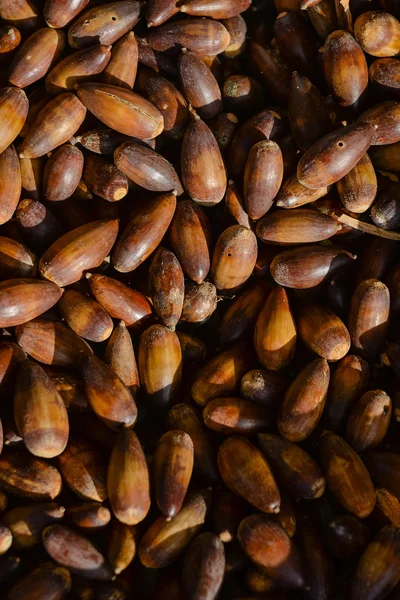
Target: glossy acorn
{"x":59,"y":14}
{"x":199,"y":302}
{"x":369,"y":420}
{"x":120,"y":357}
{"x":13,"y":113}
{"x":275,"y":332}
{"x":84,"y":471}
{"x":201,"y":36}
{"x":128,"y":479}
{"x":36,"y":55}
{"x":104,"y":179}
{"x":346,"y":475}
{"x":199,"y":85}
{"x":75,"y":552}
{"x":237,"y":29}
{"x":27,"y":476}
{"x":48,"y":579}
{"x":204,"y":567}
{"x":65,"y":110}
{"x":88,"y":518}
{"x":323,"y":332}
{"x":172,"y":467}
{"x":78,"y":250}
{"x":293,"y":194}
{"x":385,"y":117}
{"x":160,"y":11}
{"x":167,"y":288}
{"x":334,"y":155}
{"x":16,"y":259}
{"x":348,"y":383}
{"x":121,"y":109}
{"x":222,"y":9}
{"x":262,"y":177}
{"x":297,"y":42}
{"x":341,"y":55}
{"x":267,"y":544}
{"x":122,"y":546}
{"x":147,"y":168}
{"x":31,"y":177}
{"x":103,"y":24}
{"x":240,"y":317}
{"x":304,"y":401}
{"x":184,"y":417}
{"x":190,"y":237}
{"x":385,"y":213}
{"x":234,"y":258}
{"x":201,"y":155}
{"x":384,"y":74}
{"x":160,"y":365}
{"x":10,"y":38}
{"x":122,"y":67}
{"x":62,"y":173}
{"x":85,"y":316}
{"x":120,"y":301}
{"x":272,"y":71}
{"x":154,"y":550}
{"x":294,"y":468}
{"x":50,"y":342}
{"x":27,"y":522}
{"x":378,"y":33}
{"x":10,"y":183}
{"x":357,"y":189}
{"x":108,"y":396}
{"x":235,"y":416}
{"x":386,"y":158}
{"x":39,"y":412}
{"x":24,"y":299}
{"x":307,"y":266}
{"x":221,"y":375}
{"x":143,"y":233}
{"x":296,"y":226}
{"x":323,"y":18}
{"x":369,"y":317}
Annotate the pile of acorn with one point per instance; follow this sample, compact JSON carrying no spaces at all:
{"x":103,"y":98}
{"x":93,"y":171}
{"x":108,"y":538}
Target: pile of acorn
{"x":199,"y":300}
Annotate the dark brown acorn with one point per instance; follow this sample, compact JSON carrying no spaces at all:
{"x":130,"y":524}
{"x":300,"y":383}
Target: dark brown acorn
{"x":167,"y":287}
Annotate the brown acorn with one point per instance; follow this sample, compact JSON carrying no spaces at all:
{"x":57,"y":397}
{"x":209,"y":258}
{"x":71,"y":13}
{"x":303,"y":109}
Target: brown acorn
{"x":103,"y":140}
{"x":120,"y":356}
{"x":120,"y":301}
{"x":122,"y":546}
{"x":89,"y":518}
{"x":194,"y":351}
{"x":122,"y":67}
{"x":155,"y":551}
{"x":199,"y":302}
{"x":275,"y":332}
{"x":204,"y":567}
{"x":24,"y":299}
{"x":166,"y":287}
{"x":293,"y":194}
{"x":48,"y":579}
{"x":387,"y":508}
{"x":75,"y":551}
{"x":307,"y":266}
{"x":201,"y":36}
{"x":378,"y":33}
{"x":160,"y":365}
{"x":103,"y":24}
{"x":104,"y":179}
{"x":341,"y":55}
{"x":147,"y":168}
{"x":31,"y":176}
{"x":272,"y":71}
{"x":85,"y":316}
{"x":26,"y":523}
{"x":224,"y":127}
{"x":262,"y":177}
{"x":38,"y":225}
{"x":369,"y":420}
{"x":70,"y":388}
{"x":201,"y":155}
{"x":323,"y":332}
{"x":237,"y":29}
{"x":347,"y":536}
{"x":172,"y":467}
{"x":199,"y":85}
{"x":159,"y":11}
{"x":297,"y":42}
{"x":348,"y":383}
{"x":84,"y":471}
{"x":385,"y":117}
{"x":24,"y":475}
{"x":334,"y":155}
{"x":296,"y":226}
{"x":384,"y":74}
{"x":386,"y":158}
{"x":143,"y":233}
{"x":369,"y":317}
{"x":10,"y":38}
{"x":263,"y":387}
{"x":83,"y":65}
{"x":304,"y":401}
{"x":39,"y":412}
{"x":294,"y":468}
{"x":247,"y":473}
{"x":62,"y":173}
{"x":234,"y":258}
{"x":357,"y":189}
{"x":346,"y":475}
{"x":221,"y":375}
{"x":108,"y":396}
{"x":190,"y":236}
{"x":78,"y":250}
{"x":58,"y":14}
{"x":50,"y":342}
{"x":10,"y":183}
{"x":36,"y":55}
{"x":121,"y":109}
{"x":382,"y":552}
{"x":222,"y":9}
{"x":240,"y":318}
{"x":235,"y":416}
{"x":13,"y":113}
{"x":267,"y":544}
{"x":243,"y":94}
{"x":65,"y":110}
{"x":16,"y":259}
